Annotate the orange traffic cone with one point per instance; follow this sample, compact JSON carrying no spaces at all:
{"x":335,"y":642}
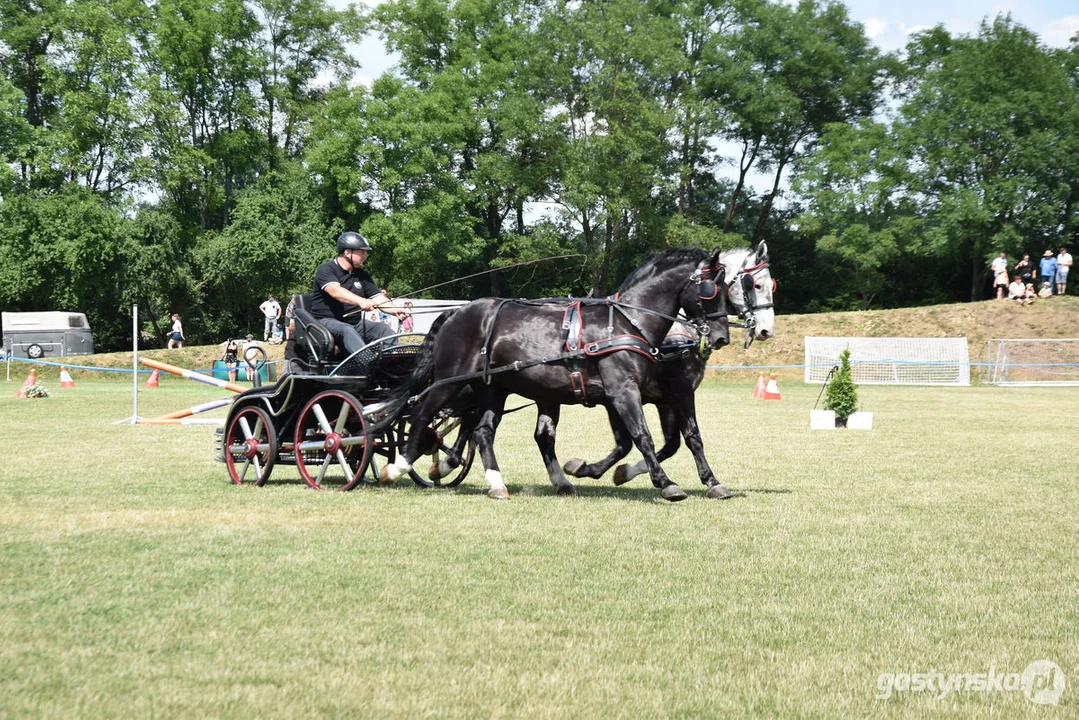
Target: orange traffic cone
{"x":30,"y":380}
{"x":758,"y":392}
{"x":152,"y":382}
{"x":65,"y":378}
{"x":772,"y":391}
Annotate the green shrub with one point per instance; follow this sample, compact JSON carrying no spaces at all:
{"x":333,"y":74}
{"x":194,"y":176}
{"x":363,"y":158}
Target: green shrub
{"x":842,"y":393}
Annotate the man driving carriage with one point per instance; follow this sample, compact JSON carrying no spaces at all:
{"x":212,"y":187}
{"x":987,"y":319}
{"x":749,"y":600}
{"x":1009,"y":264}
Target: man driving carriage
{"x":343,"y":281}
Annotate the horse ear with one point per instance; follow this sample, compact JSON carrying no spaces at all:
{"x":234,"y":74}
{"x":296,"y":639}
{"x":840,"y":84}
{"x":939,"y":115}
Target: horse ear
{"x":762,"y":251}
{"x":715,"y":262}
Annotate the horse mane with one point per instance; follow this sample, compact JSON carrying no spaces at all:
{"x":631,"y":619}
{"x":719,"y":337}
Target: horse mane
{"x":661,"y":261}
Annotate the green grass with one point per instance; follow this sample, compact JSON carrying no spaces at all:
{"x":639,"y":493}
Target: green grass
{"x":135,"y":580}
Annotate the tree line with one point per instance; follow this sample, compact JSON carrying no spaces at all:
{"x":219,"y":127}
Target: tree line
{"x":193,"y":156}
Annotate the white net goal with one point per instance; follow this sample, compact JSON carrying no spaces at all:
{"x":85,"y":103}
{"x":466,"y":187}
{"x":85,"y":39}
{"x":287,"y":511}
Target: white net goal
{"x":1033,"y":362}
{"x":891,"y":361}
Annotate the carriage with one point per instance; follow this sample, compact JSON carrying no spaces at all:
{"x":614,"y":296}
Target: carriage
{"x":327,"y":415}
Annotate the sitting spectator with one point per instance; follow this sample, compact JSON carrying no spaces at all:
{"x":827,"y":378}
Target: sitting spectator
{"x":1017,"y":291}
{"x":1031,"y":293}
{"x":1046,"y":291}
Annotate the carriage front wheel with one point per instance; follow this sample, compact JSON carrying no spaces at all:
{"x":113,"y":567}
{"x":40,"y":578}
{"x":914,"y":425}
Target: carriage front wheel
{"x":332,"y":443}
{"x":250,"y":446}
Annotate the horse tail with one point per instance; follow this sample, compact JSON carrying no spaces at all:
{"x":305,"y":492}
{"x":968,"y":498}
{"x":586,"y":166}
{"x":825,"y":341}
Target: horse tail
{"x":418,"y":380}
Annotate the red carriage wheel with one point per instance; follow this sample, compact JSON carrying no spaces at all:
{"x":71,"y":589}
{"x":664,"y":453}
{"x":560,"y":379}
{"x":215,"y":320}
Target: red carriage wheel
{"x":250,"y":446}
{"x":332,"y":443}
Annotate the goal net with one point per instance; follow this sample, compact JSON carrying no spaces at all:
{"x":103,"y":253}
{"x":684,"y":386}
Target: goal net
{"x":1033,"y":362}
{"x":891,"y":361}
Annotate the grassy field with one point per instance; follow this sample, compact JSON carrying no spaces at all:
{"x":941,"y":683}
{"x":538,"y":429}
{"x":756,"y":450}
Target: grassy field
{"x":136,"y":581}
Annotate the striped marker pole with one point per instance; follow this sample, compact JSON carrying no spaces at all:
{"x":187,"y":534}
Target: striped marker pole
{"x":195,"y":409}
{"x":182,"y":421}
{"x":192,"y":375}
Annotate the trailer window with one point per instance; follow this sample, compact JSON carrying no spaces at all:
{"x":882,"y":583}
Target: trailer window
{"x":75,"y":321}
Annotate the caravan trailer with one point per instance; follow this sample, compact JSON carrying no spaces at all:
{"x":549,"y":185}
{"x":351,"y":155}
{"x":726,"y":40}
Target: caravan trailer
{"x":41,"y":334}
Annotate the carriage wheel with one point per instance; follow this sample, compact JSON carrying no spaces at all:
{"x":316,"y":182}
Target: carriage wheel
{"x":444,"y":433}
{"x":250,"y":446}
{"x":332,"y":440}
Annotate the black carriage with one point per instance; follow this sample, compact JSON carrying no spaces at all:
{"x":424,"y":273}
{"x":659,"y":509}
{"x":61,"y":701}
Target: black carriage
{"x":326,"y":415}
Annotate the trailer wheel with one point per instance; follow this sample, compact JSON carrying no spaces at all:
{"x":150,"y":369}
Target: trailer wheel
{"x":34,"y":351}
{"x":332,"y":441}
{"x":250,"y":446}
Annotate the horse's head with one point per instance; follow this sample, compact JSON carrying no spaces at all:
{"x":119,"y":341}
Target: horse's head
{"x":704,"y":301}
{"x":751,"y":289}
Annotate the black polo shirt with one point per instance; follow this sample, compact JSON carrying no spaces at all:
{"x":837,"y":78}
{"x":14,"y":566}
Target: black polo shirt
{"x":358,"y":281}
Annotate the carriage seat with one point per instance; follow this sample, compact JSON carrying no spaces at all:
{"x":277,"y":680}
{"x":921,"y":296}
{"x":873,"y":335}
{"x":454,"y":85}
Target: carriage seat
{"x":312,"y":348}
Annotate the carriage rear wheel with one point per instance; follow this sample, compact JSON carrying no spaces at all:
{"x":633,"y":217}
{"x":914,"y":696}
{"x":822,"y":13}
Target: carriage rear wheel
{"x":250,"y":446}
{"x":443,"y":439}
{"x":332,"y":443}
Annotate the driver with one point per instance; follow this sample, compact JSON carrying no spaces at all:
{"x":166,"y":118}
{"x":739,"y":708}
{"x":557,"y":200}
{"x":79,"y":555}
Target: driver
{"x":343,"y":281}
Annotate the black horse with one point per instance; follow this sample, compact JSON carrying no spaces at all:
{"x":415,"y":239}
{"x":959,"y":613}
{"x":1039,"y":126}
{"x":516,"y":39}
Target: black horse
{"x":673,"y":381}
{"x":558,"y":352}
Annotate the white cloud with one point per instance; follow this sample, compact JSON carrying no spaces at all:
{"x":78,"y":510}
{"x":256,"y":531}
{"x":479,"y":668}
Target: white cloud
{"x":1059,"y":32}
{"x":875,"y":27}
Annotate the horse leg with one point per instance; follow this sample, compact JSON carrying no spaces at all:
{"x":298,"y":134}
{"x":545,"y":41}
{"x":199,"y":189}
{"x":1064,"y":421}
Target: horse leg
{"x":546,"y":422}
{"x":686,"y":411}
{"x":628,"y":405}
{"x":671,"y":440}
{"x":444,"y":464}
{"x":434,"y":401}
{"x":490,"y":415}
{"x":578,"y":467}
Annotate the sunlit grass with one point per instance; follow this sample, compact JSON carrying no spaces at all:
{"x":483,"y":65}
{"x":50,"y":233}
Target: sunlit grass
{"x":135,"y":580}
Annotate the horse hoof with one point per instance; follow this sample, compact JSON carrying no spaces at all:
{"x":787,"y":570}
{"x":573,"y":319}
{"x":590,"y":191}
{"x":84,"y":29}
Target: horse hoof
{"x":673,"y":493}
{"x":433,"y":474}
{"x":385,"y":478}
{"x":572,"y":466}
{"x":621,"y":475}
{"x":718,"y":492}
{"x":566,"y":490}
{"x":499,"y":494}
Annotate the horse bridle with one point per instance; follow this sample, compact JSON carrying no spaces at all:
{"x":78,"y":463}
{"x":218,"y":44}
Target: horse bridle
{"x":745,"y":278}
{"x":704,"y":277}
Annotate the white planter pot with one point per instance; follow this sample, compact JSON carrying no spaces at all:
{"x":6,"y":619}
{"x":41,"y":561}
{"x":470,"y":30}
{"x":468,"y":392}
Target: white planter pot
{"x":822,"y":420}
{"x":860,"y":421}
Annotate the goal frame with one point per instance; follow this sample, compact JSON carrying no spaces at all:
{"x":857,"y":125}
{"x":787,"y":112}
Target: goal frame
{"x":891,"y":360}
{"x":1001,"y":370}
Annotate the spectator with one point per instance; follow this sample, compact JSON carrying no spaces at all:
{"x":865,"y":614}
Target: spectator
{"x":1064,"y":264}
{"x":1031,"y":293}
{"x":1046,"y":291}
{"x":230,"y":357}
{"x":1026,"y":269}
{"x":271,"y":310}
{"x":1018,"y":291}
{"x":407,"y":324}
{"x":290,"y":312}
{"x":1047,"y":269}
{"x":999,"y":266}
{"x":176,"y":337}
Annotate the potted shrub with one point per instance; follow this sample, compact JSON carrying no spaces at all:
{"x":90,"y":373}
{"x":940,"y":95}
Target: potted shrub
{"x":841,"y":396}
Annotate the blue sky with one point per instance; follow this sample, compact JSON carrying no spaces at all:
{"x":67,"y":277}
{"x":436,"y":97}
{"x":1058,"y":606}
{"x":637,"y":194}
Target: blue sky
{"x":887,"y":23}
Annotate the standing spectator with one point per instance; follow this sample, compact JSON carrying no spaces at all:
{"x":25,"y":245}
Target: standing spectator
{"x":1047,"y":269}
{"x":271,"y":310}
{"x":999,"y":266}
{"x":1018,"y":291}
{"x":407,"y":324}
{"x":1064,"y":264}
{"x":290,"y":312}
{"x":176,"y":337}
{"x":230,"y":358}
{"x":1026,"y":269}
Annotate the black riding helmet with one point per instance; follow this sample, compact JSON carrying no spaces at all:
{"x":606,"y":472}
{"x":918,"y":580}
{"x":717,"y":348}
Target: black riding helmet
{"x":350,"y":240}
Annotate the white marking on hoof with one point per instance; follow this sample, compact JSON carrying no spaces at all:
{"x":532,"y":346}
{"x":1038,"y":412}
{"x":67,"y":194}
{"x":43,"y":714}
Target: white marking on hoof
{"x":444,"y":467}
{"x":389,"y":475}
{"x":498,"y":489}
